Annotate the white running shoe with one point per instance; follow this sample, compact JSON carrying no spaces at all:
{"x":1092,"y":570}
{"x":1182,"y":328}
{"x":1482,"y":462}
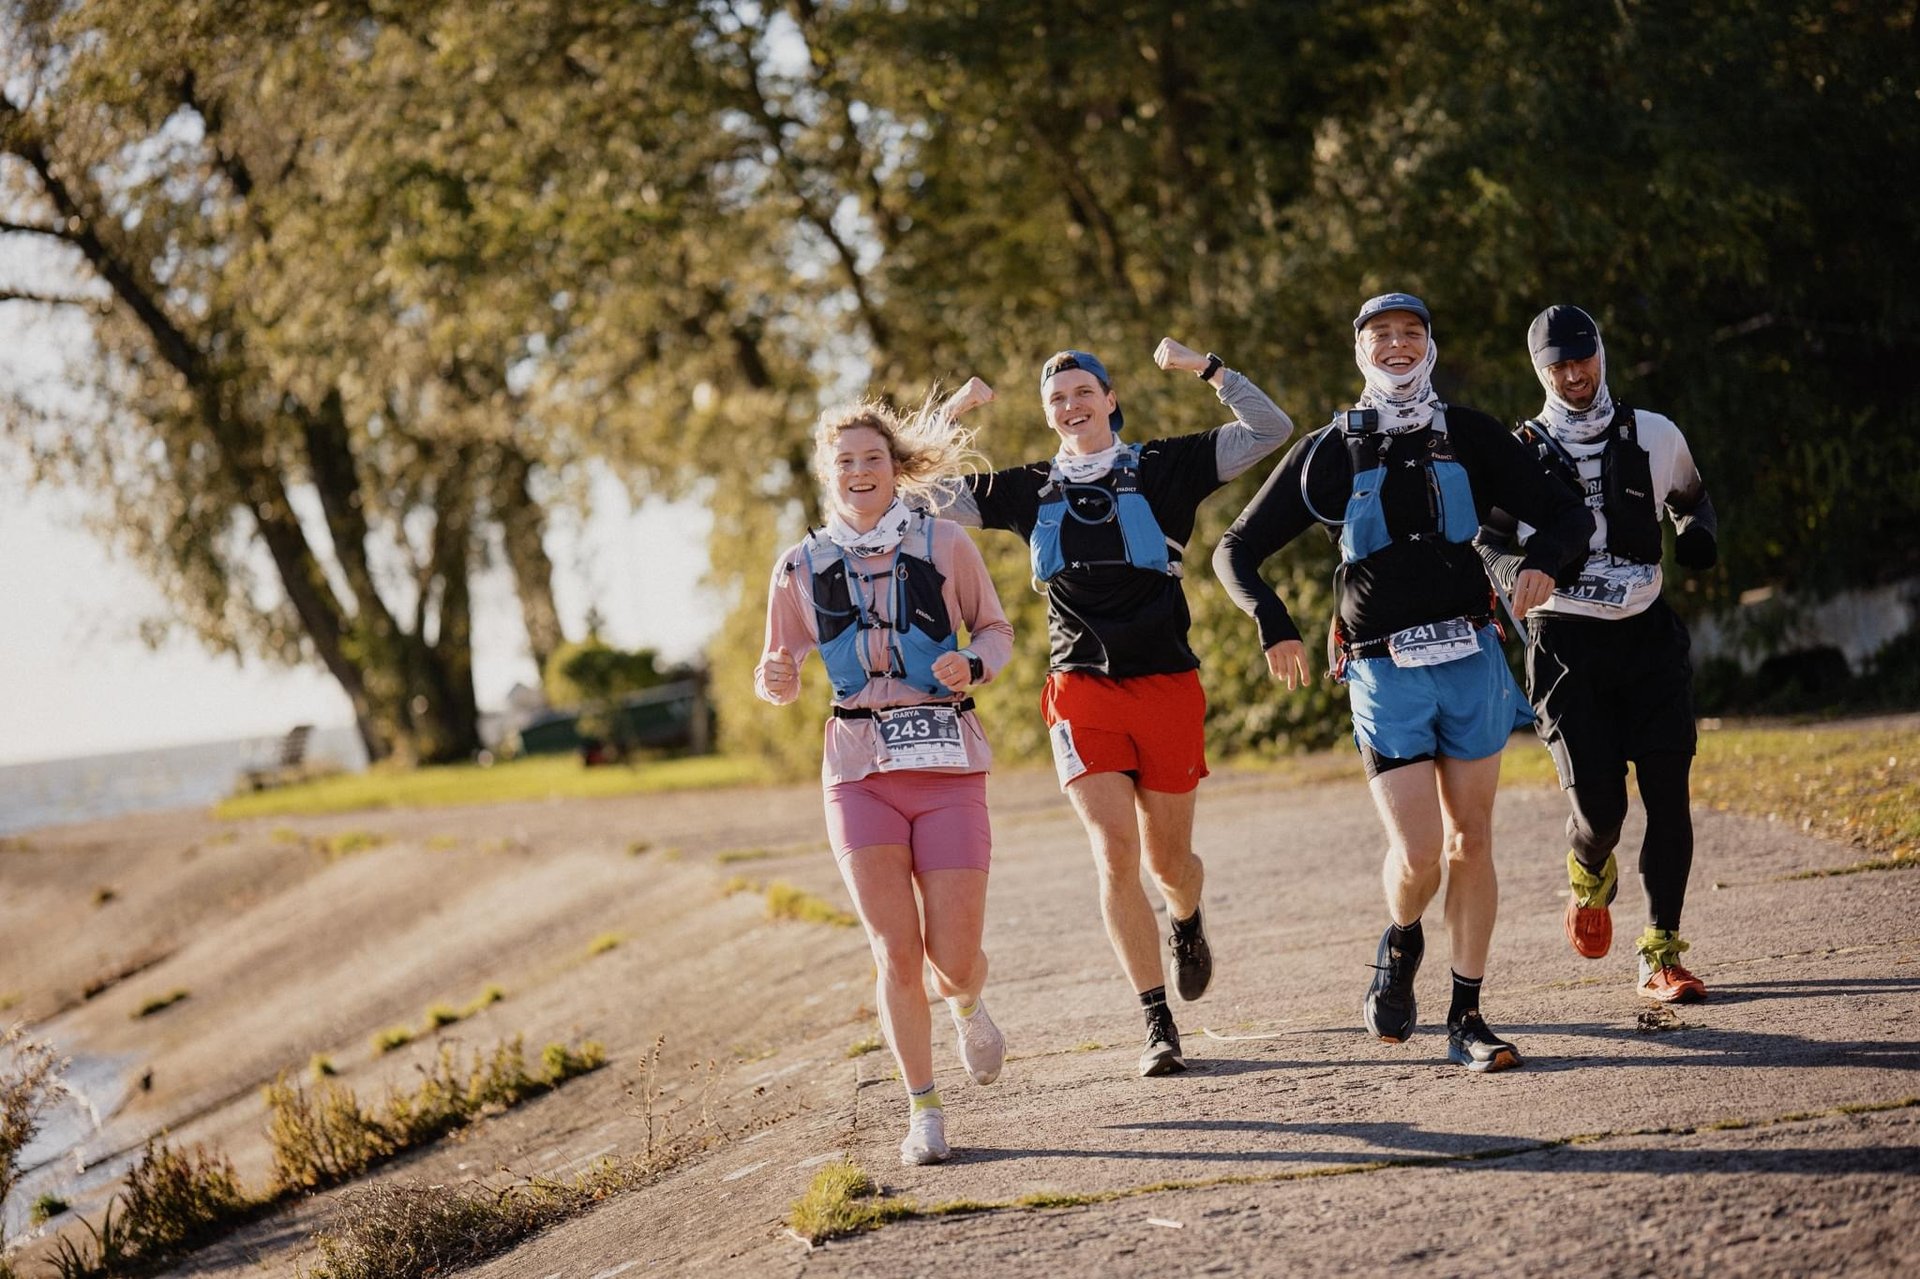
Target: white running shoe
{"x":926,"y":1141}
{"x":983,"y":1049}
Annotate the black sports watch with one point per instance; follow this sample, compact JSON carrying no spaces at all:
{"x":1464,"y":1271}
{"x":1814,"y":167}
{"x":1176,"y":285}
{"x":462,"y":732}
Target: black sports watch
{"x":1213,"y":366}
{"x":976,"y":669}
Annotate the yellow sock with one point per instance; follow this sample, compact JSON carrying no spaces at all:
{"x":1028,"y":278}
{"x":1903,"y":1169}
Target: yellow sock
{"x":928,"y":1100}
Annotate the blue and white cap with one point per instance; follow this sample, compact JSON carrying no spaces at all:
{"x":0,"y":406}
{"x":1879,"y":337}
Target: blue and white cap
{"x":1392,"y":302}
{"x":1065,"y":361}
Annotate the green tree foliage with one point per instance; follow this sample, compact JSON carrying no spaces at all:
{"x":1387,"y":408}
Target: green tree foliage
{"x":496,"y":241}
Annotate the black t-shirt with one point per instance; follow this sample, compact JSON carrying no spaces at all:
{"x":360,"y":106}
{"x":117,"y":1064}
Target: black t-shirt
{"x":1111,"y":618}
{"x":1410,"y":582}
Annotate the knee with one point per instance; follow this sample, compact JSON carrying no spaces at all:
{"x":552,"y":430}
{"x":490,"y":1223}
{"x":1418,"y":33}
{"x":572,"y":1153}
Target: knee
{"x":899,"y":958}
{"x":957,"y":972}
{"x":1596,"y":829}
{"x":1420,"y":858}
{"x":1471,"y":842}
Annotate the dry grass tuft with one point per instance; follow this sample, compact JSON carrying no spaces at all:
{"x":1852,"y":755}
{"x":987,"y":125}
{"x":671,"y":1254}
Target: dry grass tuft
{"x":158,"y":1003}
{"x":329,"y":1137}
{"x":784,"y":901}
{"x":173,"y":1202}
{"x":389,"y":1230}
{"x":30,"y":1084}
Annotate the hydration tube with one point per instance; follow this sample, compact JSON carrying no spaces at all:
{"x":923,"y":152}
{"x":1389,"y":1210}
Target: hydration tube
{"x":1306,"y":469}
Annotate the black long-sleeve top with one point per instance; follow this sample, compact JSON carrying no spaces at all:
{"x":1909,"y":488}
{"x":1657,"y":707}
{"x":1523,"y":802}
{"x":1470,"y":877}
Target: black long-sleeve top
{"x":1412,"y":581}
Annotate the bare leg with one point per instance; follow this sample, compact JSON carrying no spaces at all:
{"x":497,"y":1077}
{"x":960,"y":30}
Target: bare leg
{"x":1409,"y":808}
{"x":956,"y":906}
{"x":1467,"y":789}
{"x":881,"y":881}
{"x":1105,"y":802}
{"x":1166,"y":834}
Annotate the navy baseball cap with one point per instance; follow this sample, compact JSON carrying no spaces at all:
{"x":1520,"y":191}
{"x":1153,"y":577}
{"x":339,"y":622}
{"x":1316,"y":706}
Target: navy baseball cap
{"x":1066,"y":361}
{"x":1392,"y":302}
{"x":1562,"y":333}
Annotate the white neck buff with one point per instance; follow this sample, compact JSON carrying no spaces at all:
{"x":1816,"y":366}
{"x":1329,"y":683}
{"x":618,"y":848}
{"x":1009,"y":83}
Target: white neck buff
{"x":1085,"y":468}
{"x":1404,"y":400}
{"x":881,"y":538}
{"x":1578,"y":426}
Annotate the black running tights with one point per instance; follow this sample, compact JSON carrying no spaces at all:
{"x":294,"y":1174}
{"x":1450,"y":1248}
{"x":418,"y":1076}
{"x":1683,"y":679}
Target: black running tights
{"x":1666,"y":854}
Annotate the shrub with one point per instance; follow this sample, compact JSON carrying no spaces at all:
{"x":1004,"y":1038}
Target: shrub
{"x":173,"y":1202}
{"x":176,"y":1199}
{"x":559,"y":1063}
{"x":439,"y":1015}
{"x":45,"y":1208}
{"x":320,"y":1140}
{"x":29,"y":1085}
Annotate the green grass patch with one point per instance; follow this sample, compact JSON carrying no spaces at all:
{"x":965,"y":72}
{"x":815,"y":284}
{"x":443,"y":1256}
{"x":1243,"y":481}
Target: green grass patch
{"x":349,"y":843}
{"x":439,"y":1015}
{"x":639,"y":847}
{"x":321,"y":1066}
{"x":841,"y":1200}
{"x":604,"y":943}
{"x":737,"y":884}
{"x":9,"y":1000}
{"x":159,"y":1003}
{"x":864,"y":1045}
{"x":1091,"y":1046}
{"x":541,"y":778}
{"x":442,"y":843}
{"x":729,"y":856}
{"x":393,"y":1037}
{"x":784,"y":901}
{"x":46,"y":1208}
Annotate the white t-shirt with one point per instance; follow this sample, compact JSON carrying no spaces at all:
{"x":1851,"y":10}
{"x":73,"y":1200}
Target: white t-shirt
{"x":1609,"y":587}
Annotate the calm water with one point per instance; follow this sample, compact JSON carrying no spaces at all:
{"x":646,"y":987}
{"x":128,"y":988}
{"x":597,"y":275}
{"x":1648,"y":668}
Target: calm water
{"x":52,"y":792}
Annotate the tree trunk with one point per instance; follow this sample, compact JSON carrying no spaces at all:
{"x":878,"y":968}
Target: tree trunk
{"x":523,"y":527}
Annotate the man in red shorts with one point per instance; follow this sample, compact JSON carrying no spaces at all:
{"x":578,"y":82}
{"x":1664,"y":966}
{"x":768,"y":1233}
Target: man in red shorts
{"x":1107,"y":523}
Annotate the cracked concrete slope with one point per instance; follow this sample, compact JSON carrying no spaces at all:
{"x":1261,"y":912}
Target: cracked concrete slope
{"x":1721,"y":1140}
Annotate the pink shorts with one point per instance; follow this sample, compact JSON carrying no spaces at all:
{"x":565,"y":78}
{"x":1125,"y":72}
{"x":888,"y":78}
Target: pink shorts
{"x":942,"y":817}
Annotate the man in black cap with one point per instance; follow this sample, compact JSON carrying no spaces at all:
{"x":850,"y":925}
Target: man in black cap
{"x":1107,"y":525}
{"x":1607,"y":666}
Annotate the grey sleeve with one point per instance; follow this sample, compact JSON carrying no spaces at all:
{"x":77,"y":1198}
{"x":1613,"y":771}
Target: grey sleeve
{"x":1259,"y":426}
{"x":954,"y":500}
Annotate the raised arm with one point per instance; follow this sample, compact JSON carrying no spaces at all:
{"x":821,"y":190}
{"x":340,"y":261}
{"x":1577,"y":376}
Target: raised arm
{"x":1259,"y":425}
{"x":954,"y":499}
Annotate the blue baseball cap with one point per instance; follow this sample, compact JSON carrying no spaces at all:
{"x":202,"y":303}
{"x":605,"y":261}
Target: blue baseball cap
{"x":1392,"y":302}
{"x":1066,"y":361}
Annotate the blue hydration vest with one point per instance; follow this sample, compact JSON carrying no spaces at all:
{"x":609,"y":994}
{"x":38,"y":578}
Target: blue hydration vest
{"x":1449,"y":494}
{"x":1146,"y":544}
{"x":843,"y":610}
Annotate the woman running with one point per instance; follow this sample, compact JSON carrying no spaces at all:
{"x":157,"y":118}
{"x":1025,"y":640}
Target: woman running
{"x":1403,"y":482}
{"x":880,"y":592}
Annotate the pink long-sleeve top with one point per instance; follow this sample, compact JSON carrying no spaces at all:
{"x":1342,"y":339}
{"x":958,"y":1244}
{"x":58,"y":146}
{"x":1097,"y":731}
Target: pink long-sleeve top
{"x":852,"y":747}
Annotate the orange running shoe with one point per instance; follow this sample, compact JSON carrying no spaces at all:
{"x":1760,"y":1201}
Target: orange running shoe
{"x":1589,"y":924}
{"x":1662,"y":976}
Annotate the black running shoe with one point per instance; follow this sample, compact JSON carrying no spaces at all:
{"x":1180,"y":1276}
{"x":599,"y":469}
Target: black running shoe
{"x":1471,"y":1044}
{"x":1389,"y":1008}
{"x":1192,"y":957}
{"x":1162,"y":1054}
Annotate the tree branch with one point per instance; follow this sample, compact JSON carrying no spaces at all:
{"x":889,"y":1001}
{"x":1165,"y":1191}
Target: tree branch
{"x":99,"y":306}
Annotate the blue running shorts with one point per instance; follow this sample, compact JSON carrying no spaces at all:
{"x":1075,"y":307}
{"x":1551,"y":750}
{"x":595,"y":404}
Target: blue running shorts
{"x":1462,"y":710}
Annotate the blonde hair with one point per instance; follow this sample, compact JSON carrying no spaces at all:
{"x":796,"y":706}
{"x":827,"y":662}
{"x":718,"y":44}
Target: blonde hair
{"x":928,"y":446}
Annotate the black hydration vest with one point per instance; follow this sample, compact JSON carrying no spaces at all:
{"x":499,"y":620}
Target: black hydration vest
{"x":1626,"y":485}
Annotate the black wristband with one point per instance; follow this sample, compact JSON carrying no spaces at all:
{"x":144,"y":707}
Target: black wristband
{"x":1213,"y":366}
{"x":976,"y":669}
